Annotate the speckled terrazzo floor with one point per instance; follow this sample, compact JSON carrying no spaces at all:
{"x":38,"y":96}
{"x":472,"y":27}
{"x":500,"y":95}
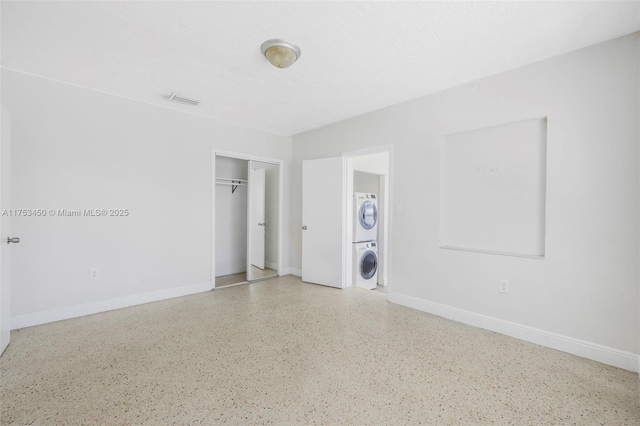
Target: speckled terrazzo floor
{"x":256,"y":274}
{"x":284,"y":352}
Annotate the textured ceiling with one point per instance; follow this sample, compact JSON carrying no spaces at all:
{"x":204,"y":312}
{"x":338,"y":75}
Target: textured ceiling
{"x":356,"y":56}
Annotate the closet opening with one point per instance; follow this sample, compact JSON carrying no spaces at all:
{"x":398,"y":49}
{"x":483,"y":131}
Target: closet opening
{"x":247,"y":219}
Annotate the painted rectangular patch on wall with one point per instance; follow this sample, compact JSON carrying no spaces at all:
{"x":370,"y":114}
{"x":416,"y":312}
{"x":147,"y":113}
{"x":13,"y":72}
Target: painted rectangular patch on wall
{"x":493,"y":188}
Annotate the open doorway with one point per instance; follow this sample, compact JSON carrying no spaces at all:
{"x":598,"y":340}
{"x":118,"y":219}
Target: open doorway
{"x":368,"y":192}
{"x":247,"y":218}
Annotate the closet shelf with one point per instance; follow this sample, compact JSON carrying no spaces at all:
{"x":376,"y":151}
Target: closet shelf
{"x":231,"y":179}
{"x":233,"y":183}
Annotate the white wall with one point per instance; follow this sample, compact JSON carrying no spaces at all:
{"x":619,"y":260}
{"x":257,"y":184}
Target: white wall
{"x":231,"y":218}
{"x":587,"y":287}
{"x":373,"y":163}
{"x":366,"y":182}
{"x":492,"y":189}
{"x":76,"y":148}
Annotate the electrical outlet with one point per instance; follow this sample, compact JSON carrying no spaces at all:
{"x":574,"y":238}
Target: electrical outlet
{"x":503,"y":286}
{"x":94,"y":274}
{"x":399,"y":209}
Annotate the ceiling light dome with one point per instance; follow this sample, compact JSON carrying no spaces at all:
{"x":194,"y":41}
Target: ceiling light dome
{"x":280,"y":53}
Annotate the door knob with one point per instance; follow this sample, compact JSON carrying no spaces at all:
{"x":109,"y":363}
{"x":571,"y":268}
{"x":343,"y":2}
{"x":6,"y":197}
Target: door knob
{"x":14,"y":240}
{"x":304,"y":227}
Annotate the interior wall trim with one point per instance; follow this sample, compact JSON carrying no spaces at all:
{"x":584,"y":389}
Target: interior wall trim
{"x":271,"y":265}
{"x":293,"y":271}
{"x":604,"y":354}
{"x":68,"y":312}
{"x":232,"y":268}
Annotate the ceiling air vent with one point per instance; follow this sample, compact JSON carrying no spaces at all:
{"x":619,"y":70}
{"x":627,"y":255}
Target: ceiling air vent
{"x":182,"y":99}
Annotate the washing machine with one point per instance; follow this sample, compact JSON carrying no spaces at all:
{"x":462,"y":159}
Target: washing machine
{"x":365,"y":264}
{"x":365,"y":224}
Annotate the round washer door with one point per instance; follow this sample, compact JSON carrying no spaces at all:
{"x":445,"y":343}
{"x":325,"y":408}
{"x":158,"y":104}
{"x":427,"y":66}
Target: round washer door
{"x":368,"y":215}
{"x":368,"y":265}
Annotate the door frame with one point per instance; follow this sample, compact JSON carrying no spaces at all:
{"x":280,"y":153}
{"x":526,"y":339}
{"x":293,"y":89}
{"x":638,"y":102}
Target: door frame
{"x":247,"y":157}
{"x":5,"y":230}
{"x":348,"y":211}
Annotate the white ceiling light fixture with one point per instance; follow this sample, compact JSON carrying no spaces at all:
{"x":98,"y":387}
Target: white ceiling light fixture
{"x":280,"y":53}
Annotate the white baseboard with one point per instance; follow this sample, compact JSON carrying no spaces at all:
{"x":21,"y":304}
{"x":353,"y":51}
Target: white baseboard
{"x":43,"y":317}
{"x":230,"y":268}
{"x":593,"y":351}
{"x":271,"y":265}
{"x":293,"y":271}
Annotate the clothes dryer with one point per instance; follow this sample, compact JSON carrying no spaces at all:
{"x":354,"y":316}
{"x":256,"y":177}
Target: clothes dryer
{"x":365,"y":224}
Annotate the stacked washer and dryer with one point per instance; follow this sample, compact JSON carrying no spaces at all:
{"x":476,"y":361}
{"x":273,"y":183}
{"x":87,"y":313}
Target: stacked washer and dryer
{"x":365,"y":245}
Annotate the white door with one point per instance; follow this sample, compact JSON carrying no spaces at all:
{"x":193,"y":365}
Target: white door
{"x":5,"y":230}
{"x":322,"y":221}
{"x":256,"y":217}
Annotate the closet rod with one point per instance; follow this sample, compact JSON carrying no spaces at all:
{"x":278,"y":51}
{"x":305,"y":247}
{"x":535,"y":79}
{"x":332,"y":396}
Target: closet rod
{"x":231,"y":179}
{"x":231,"y":184}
